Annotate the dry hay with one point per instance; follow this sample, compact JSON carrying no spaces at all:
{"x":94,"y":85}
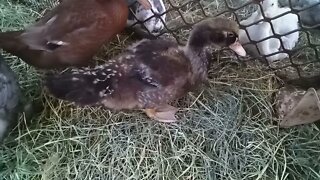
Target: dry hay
{"x":226,"y":131}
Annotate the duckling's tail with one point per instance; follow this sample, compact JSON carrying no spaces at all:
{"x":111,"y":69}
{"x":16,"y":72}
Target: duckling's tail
{"x":83,"y":87}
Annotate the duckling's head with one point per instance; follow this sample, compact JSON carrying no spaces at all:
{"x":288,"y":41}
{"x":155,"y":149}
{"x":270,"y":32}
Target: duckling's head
{"x":219,"y":32}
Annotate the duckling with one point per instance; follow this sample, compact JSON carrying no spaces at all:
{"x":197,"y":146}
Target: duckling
{"x":282,"y":25}
{"x":139,"y":13}
{"x":68,"y":35}
{"x":9,"y":98}
{"x":148,"y":75}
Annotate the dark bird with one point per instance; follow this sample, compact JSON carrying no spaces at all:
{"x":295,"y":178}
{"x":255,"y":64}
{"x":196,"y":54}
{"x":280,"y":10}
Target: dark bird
{"x":148,"y":75}
{"x":70,"y":34}
{"x":9,"y":99}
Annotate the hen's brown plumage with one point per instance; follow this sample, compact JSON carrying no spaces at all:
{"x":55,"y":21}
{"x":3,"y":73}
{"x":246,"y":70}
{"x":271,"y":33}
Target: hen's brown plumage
{"x":68,"y":35}
{"x":148,"y":75}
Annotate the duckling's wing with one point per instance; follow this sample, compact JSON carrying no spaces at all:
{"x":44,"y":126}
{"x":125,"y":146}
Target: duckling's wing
{"x":160,"y":62}
{"x":163,"y":69}
{"x":87,"y":86}
{"x":80,"y":86}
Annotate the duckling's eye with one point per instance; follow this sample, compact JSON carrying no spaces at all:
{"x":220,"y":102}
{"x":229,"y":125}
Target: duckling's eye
{"x":231,"y":35}
{"x":231,"y":38}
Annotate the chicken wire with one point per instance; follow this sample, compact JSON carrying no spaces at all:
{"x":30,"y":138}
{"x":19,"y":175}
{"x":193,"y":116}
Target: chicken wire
{"x":181,"y":15}
{"x":303,"y":60}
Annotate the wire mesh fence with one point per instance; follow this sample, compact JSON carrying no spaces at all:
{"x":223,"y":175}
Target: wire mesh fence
{"x":221,"y":135}
{"x":300,"y":59}
{"x":294,"y":52}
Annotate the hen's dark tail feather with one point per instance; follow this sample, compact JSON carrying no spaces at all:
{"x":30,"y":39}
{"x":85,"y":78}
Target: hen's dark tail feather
{"x":84,"y":87}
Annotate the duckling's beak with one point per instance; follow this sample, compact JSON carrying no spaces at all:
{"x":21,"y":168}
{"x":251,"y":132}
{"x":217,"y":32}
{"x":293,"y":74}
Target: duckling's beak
{"x":237,"y":48}
{"x":145,"y":3}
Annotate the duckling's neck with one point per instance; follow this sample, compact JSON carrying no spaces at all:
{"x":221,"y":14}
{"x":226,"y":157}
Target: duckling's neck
{"x":197,"y":51}
{"x":199,"y":39}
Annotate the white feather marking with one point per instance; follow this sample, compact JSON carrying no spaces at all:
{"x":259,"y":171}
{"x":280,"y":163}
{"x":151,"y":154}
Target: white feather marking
{"x":60,"y":43}
{"x":51,"y":20}
{"x":103,"y":93}
{"x":130,"y":56}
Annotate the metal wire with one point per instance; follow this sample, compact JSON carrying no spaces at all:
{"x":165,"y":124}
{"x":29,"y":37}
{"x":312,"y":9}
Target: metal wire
{"x":230,"y":10}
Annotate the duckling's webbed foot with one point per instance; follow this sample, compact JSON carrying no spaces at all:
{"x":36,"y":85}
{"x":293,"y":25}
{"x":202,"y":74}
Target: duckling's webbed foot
{"x":164,"y":114}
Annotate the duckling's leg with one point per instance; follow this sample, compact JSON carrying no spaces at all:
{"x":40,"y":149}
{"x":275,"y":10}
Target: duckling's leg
{"x":162,"y":114}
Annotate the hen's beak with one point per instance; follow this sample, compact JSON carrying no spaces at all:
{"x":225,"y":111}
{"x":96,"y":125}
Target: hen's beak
{"x":237,"y":47}
{"x":145,"y":3}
